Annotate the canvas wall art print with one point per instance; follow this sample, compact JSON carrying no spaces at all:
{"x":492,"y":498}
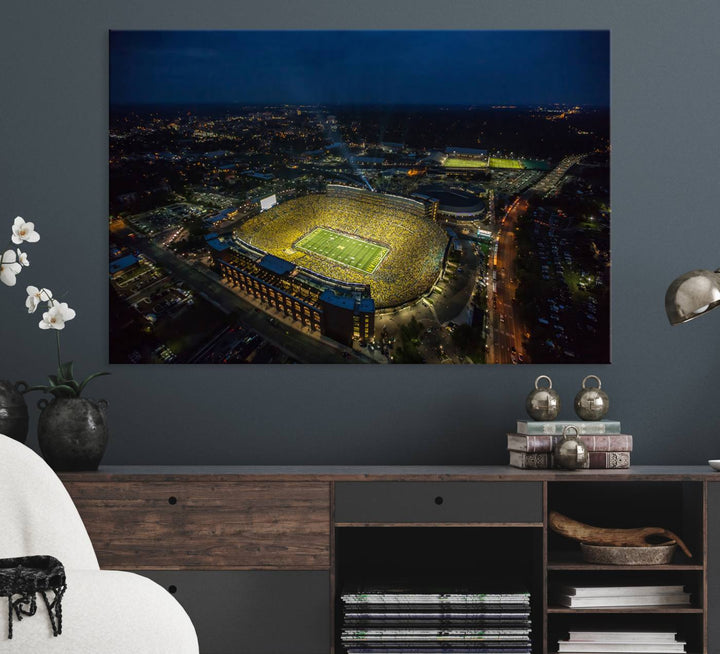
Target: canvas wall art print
{"x":381,"y":197}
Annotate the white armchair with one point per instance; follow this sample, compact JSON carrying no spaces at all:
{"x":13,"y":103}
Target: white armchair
{"x":104,"y":612}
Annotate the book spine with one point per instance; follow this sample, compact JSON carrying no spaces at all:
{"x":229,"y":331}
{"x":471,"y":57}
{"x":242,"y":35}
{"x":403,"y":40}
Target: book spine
{"x":593,"y":442}
{"x":596,"y":460}
{"x":530,"y":461}
{"x":603,"y":461}
{"x":531,"y":443}
{"x":607,"y":443}
{"x":556,"y":428}
{"x":608,"y":460}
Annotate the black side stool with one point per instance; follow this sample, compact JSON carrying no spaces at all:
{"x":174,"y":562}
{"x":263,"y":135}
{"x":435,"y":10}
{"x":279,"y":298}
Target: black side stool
{"x":23,"y":578}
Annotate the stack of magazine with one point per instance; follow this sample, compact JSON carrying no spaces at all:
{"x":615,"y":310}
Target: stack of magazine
{"x":625,"y":642}
{"x":403,"y":621}
{"x":584,"y":597}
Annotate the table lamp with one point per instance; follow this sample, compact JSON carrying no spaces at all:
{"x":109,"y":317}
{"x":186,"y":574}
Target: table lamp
{"x":691,"y":295}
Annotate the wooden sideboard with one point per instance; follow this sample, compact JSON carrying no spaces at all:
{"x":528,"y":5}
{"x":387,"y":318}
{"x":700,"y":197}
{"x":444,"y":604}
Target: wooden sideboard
{"x":258,"y":555}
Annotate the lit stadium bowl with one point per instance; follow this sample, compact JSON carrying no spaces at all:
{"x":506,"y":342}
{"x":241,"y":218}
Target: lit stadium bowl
{"x":359,"y":236}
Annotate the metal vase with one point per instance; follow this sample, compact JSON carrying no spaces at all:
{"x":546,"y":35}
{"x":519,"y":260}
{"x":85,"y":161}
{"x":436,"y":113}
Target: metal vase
{"x":73,"y":433}
{"x":13,"y":410}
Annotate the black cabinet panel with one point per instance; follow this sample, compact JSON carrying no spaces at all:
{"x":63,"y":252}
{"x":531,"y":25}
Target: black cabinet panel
{"x":713,"y":571}
{"x":254,"y":612}
{"x":441,"y":501}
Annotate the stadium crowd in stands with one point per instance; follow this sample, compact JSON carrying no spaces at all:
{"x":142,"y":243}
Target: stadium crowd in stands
{"x":417,"y":245}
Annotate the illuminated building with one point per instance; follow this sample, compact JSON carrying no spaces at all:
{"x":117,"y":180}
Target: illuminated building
{"x":340,"y":310}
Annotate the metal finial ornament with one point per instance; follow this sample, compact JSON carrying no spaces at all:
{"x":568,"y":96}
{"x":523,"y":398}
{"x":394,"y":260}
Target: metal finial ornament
{"x":543,"y":403}
{"x":570,"y":452}
{"x":591,"y":403}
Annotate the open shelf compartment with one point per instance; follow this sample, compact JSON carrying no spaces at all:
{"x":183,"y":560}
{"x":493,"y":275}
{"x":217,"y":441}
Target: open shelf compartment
{"x":491,"y":559}
{"x":675,"y":506}
{"x":688,"y":626}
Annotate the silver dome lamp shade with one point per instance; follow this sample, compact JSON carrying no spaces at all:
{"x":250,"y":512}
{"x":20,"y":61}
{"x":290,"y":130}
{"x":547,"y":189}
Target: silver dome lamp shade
{"x":691,"y":295}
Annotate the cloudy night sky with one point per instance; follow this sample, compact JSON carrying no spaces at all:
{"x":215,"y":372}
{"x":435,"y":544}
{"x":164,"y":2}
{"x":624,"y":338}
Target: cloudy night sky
{"x":360,"y":67}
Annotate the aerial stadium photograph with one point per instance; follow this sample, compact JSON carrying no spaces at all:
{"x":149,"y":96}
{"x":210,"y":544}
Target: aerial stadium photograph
{"x":355,"y":196}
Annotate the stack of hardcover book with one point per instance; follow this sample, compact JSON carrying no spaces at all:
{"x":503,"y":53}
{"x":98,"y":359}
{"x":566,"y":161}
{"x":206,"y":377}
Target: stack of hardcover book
{"x":599,"y":642}
{"x":583,"y":597}
{"x":531,"y":446}
{"x":391,"y":621}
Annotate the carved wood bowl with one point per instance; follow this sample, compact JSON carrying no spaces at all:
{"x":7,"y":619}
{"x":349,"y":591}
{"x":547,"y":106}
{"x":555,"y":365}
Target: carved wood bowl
{"x":623,"y":555}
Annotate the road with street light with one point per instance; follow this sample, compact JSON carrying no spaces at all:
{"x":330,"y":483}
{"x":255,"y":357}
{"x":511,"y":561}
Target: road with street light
{"x":505,"y":345}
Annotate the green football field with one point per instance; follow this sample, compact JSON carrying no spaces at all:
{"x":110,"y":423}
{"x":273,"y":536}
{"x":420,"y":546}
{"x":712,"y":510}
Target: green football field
{"x":347,"y":250}
{"x":497,"y":162}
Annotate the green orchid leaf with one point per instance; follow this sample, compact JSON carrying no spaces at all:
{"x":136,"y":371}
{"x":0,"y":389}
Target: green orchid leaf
{"x":44,"y":389}
{"x":63,"y":391}
{"x":65,"y":371}
{"x":54,"y":381}
{"x":88,"y":379}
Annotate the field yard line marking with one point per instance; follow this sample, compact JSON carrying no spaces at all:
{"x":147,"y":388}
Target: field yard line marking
{"x":361,"y":242}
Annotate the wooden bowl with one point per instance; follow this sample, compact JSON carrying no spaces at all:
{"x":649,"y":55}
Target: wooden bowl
{"x":615,"y":555}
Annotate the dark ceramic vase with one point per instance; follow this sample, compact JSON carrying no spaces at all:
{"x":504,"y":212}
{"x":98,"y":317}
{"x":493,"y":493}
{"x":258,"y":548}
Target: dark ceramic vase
{"x":72,"y":433}
{"x":13,"y":410}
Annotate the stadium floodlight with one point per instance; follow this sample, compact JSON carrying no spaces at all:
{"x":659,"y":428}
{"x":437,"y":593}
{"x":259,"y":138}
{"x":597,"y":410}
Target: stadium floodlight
{"x":691,"y":295}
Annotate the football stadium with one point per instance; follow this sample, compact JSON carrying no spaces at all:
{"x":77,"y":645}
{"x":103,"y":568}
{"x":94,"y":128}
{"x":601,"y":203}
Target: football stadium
{"x":355,"y":236}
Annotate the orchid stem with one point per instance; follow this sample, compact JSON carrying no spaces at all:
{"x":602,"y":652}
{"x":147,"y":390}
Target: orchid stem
{"x":57,"y":334}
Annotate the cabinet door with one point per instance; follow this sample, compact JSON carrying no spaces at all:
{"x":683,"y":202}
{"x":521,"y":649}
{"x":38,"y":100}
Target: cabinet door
{"x":254,"y":612}
{"x":713,"y":570}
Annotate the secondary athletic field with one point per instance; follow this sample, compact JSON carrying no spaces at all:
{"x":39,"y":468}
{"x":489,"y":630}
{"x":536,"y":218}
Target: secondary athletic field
{"x":347,"y":250}
{"x":457,"y":162}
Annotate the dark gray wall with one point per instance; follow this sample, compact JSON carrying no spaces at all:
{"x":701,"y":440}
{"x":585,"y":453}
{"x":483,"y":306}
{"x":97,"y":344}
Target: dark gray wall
{"x":663,"y":382}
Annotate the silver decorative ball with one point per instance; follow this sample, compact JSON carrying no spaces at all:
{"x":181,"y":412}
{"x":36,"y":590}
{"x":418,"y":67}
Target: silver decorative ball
{"x":570,"y":453}
{"x":543,"y":403}
{"x":591,"y":403}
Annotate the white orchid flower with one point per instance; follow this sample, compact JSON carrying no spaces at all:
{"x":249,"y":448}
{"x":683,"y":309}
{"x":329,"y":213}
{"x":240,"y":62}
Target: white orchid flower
{"x":22,"y":231}
{"x":56,"y":316}
{"x":36,"y":296}
{"x":9,"y":267}
{"x":22,"y":258}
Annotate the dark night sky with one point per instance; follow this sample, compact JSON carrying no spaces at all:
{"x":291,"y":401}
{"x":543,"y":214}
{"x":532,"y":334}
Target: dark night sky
{"x":360,"y":67}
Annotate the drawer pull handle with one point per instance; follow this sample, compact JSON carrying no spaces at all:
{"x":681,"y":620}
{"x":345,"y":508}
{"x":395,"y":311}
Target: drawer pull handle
{"x":172,"y":500}
{"x":172,"y":589}
{"x":439,"y":500}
